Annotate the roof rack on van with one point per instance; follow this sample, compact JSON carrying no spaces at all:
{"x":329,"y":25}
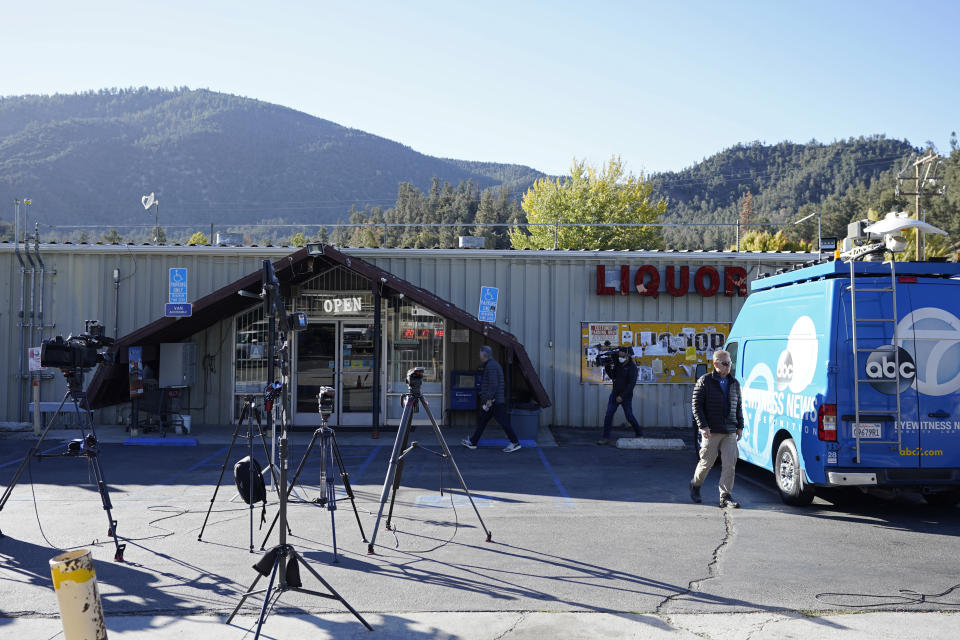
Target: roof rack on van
{"x":840,"y":269}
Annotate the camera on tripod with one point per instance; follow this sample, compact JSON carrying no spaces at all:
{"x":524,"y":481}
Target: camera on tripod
{"x":325,"y":400}
{"x":83,"y":351}
{"x":415,"y":379}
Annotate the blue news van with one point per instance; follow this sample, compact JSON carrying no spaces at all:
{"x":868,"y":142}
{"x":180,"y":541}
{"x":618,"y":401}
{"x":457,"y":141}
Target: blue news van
{"x":850,"y":372}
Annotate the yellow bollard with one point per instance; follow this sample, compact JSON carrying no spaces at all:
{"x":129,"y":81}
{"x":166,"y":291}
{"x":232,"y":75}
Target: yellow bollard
{"x":75,"y":582}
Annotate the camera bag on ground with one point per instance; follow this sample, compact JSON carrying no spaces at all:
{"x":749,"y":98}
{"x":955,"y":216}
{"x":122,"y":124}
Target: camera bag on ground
{"x":255,"y":492}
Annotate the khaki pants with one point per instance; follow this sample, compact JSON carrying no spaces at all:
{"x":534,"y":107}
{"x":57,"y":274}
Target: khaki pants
{"x":726,"y":445}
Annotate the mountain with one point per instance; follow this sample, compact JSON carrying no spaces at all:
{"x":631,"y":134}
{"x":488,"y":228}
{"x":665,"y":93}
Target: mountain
{"x":210,"y":157}
{"x":233,"y":162}
{"x":785,"y":182}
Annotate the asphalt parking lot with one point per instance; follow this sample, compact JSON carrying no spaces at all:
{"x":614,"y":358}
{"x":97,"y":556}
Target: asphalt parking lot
{"x":576,"y":528}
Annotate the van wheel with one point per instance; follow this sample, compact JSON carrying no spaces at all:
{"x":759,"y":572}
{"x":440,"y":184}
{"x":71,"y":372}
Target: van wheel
{"x":790,"y":480}
{"x":942,"y":498}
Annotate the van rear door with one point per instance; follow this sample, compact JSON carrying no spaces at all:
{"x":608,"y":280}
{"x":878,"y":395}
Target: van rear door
{"x":931,"y":333}
{"x":876,"y":370}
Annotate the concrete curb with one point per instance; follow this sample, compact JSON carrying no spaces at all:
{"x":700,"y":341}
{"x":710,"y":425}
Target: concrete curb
{"x":660,"y":444}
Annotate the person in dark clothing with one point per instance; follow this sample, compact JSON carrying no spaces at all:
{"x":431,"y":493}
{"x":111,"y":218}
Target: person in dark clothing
{"x":493,"y":402}
{"x":623,"y":373}
{"x":718,"y":412}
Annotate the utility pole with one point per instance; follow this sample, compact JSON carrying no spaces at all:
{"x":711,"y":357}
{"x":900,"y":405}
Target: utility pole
{"x":928,"y":185}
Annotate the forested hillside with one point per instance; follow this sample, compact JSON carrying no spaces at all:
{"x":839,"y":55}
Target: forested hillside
{"x":785,"y":182}
{"x":276,"y":174}
{"x":210,"y":157}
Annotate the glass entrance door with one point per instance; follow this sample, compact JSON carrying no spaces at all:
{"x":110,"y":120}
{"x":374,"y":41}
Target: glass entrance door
{"x":316,"y":367}
{"x":357,"y":346}
{"x":338,"y":354}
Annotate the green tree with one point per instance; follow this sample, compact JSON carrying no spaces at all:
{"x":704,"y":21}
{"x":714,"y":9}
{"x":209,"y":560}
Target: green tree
{"x":766,"y":241}
{"x":198,"y":238}
{"x":609,"y":195}
{"x":112,"y":237}
{"x":299,"y":239}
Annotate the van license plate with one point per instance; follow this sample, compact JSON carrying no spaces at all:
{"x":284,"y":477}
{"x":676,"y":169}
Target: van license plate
{"x":866,"y":430}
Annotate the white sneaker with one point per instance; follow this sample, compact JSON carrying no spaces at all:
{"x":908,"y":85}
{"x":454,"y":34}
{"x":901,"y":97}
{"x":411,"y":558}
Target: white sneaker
{"x":469,"y":445}
{"x":513,"y":446}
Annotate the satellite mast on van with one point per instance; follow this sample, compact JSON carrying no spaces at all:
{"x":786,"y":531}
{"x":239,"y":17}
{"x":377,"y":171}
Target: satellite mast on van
{"x":869,"y":241}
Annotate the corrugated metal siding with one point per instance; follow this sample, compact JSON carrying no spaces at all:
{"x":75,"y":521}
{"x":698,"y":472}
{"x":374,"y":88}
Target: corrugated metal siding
{"x":544,"y":298}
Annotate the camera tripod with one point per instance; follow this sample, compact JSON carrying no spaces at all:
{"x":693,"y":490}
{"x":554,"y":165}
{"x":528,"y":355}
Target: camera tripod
{"x":329,"y":455}
{"x":402,"y":447}
{"x":282,"y":560}
{"x":248,"y":413}
{"x":86,"y":446}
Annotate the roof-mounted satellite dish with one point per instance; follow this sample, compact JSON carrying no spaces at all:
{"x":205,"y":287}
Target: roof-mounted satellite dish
{"x":148,"y":201}
{"x":897,"y":221}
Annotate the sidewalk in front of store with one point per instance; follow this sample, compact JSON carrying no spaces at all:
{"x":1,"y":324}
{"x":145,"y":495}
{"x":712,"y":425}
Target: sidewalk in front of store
{"x":655,"y":438}
{"x":525,"y":625}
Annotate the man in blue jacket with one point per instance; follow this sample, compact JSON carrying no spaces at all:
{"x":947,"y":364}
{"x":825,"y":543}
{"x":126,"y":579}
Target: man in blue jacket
{"x":623,"y":373}
{"x":493,"y":402}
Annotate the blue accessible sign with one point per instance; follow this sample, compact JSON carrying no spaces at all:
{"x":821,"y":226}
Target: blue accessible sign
{"x":177,"y":292}
{"x":489,"y":297}
{"x":178,"y":310}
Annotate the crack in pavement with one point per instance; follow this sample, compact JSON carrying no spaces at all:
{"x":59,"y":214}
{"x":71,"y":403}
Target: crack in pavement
{"x":712,"y":566}
{"x":521,"y":618}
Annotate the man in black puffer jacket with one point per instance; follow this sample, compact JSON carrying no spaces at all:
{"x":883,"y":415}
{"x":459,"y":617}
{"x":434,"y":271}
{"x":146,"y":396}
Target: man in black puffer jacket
{"x":718,"y":412}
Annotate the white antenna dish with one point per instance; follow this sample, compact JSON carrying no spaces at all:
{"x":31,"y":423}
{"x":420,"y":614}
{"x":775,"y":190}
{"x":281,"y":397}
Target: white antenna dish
{"x":895,"y":222}
{"x":148,"y":201}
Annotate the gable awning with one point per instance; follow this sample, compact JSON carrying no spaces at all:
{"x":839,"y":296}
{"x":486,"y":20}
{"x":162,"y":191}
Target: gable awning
{"x":110,"y":384}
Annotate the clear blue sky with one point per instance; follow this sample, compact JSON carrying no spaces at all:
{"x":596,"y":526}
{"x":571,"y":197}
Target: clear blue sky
{"x":664,"y":84}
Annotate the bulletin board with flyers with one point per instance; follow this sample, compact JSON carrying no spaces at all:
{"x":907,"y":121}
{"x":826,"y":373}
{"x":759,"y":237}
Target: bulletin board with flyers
{"x":665,"y":352}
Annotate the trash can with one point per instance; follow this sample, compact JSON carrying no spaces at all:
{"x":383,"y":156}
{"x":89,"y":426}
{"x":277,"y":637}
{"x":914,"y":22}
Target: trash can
{"x":186,"y":423}
{"x":526,"y":420}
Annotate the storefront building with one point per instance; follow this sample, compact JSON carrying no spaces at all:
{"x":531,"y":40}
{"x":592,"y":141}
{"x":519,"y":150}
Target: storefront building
{"x":375,"y":313}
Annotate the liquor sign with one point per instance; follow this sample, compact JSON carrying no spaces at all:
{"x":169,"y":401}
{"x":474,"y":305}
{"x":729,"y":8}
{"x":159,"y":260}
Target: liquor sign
{"x":647,"y":281}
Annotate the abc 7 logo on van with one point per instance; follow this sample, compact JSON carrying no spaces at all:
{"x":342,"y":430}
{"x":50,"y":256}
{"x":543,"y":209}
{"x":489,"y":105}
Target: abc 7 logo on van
{"x":881,"y":369}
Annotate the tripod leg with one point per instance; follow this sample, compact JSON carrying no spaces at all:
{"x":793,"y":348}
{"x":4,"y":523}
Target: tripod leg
{"x":346,"y":485}
{"x":30,"y":453}
{"x":107,"y":506}
{"x":392,"y":477}
{"x":223,"y":468}
{"x":289,"y":489}
{"x":266,"y":597}
{"x":396,"y":482}
{"x":333,"y":591}
{"x":456,"y":469}
{"x":266,"y":454}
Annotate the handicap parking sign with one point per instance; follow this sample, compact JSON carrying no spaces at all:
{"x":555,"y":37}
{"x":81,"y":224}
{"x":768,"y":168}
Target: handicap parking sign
{"x":177,"y":289}
{"x":489,"y":297}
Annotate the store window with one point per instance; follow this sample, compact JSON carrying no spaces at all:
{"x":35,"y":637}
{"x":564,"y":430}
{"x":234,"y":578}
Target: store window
{"x":415,"y":338}
{"x":250,"y":356}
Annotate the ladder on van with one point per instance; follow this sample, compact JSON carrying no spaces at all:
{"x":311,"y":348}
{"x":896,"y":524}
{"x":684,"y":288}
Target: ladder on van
{"x":855,"y":320}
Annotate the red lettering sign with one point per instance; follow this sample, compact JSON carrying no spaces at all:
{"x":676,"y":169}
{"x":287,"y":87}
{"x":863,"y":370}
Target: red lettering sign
{"x":602,"y":288}
{"x":647,"y":287}
{"x":704,"y":272}
{"x":646,"y":280}
{"x":684,"y":281}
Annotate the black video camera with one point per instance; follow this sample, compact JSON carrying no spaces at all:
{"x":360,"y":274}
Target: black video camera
{"x":325,"y":400}
{"x":607,"y":357}
{"x":415,"y":379}
{"x":83,"y":351}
